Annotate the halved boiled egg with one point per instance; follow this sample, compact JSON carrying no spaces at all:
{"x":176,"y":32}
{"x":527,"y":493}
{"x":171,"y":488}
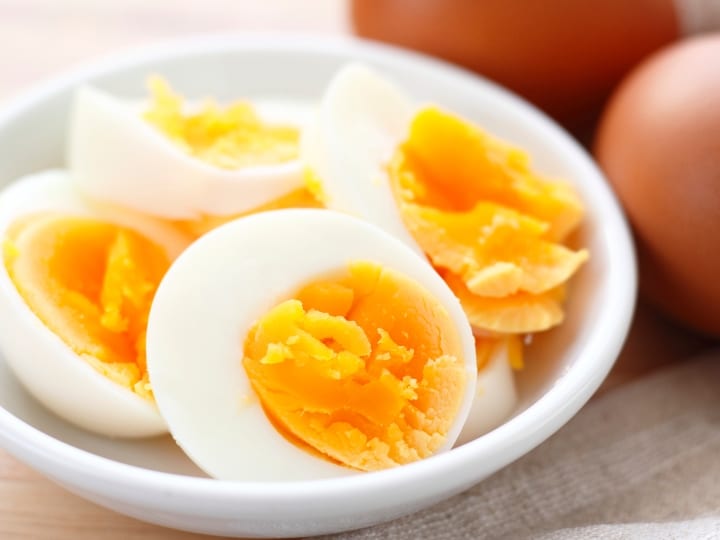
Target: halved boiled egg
{"x":471,"y":203}
{"x":302,"y":344}
{"x":187,"y":163}
{"x":76,"y":285}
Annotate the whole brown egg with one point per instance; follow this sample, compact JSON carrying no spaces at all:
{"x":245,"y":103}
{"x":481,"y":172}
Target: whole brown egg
{"x":659,"y":144}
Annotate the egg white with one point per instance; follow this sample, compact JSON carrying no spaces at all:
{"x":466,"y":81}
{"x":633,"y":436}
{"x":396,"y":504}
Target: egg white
{"x":495,"y":396}
{"x":361,"y":120}
{"x":118,"y":157}
{"x":45,"y":365}
{"x":210,"y":299}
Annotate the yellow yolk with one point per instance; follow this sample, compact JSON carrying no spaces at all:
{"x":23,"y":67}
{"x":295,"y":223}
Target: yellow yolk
{"x":232,"y":138}
{"x":450,"y":164}
{"x":366,"y":369}
{"x":91,"y":283}
{"x":299,"y":198}
{"x":489,"y":223}
{"x":519,"y":313}
{"x":314,"y":187}
{"x":496,"y":251}
{"x":485,"y":348}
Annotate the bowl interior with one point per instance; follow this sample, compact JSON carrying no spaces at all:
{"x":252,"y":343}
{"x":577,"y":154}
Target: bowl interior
{"x":32,"y":137}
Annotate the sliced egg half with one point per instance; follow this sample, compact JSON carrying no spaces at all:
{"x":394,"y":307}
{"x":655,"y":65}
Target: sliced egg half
{"x":76,"y":284}
{"x":303,"y":344}
{"x":186,"y":163}
{"x":471,"y":203}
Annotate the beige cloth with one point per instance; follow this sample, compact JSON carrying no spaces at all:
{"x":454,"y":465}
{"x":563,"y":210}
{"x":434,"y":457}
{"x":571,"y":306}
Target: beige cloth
{"x":642,"y":461}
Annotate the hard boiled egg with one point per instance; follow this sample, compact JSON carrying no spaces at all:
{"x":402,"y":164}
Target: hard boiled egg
{"x":76,"y":284}
{"x":185,"y":163}
{"x":303,"y":344}
{"x":490,"y":224}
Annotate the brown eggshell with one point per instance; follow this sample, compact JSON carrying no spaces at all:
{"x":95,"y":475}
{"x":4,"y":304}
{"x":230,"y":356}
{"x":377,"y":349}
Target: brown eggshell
{"x":659,"y":144}
{"x":564,"y":55}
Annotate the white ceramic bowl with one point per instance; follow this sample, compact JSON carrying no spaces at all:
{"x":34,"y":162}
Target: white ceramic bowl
{"x":151,"y":479}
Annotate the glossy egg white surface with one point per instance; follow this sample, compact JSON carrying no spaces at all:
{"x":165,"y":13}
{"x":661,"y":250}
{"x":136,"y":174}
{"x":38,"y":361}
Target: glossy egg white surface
{"x":495,"y":396}
{"x":118,"y":157}
{"x":210,"y":299}
{"x":47,"y":367}
{"x":361,"y":120}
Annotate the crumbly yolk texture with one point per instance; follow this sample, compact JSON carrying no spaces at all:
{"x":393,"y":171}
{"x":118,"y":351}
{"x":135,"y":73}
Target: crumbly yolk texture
{"x":492,"y":227}
{"x":91,"y":283}
{"x":367,"y":369}
{"x":231,"y":138}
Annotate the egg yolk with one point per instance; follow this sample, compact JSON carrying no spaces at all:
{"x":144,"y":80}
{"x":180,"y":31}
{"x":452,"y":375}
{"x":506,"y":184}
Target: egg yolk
{"x":486,"y":347}
{"x":91,"y":283}
{"x":230,"y":138}
{"x":366,"y":369}
{"x":299,"y":198}
{"x":492,"y":226}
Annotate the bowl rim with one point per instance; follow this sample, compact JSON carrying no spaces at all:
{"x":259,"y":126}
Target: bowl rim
{"x":502,"y":445}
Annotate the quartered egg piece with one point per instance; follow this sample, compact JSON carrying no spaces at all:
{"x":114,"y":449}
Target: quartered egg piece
{"x":164,"y":160}
{"x":76,"y":284}
{"x":471,"y":203}
{"x":495,"y":393}
{"x":303,"y":344}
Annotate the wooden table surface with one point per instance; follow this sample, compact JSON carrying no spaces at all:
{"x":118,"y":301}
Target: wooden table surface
{"x":40,"y":38}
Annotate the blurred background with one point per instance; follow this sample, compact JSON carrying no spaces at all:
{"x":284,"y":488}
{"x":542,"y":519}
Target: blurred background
{"x":41,"y":38}
{"x":564,"y":55}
